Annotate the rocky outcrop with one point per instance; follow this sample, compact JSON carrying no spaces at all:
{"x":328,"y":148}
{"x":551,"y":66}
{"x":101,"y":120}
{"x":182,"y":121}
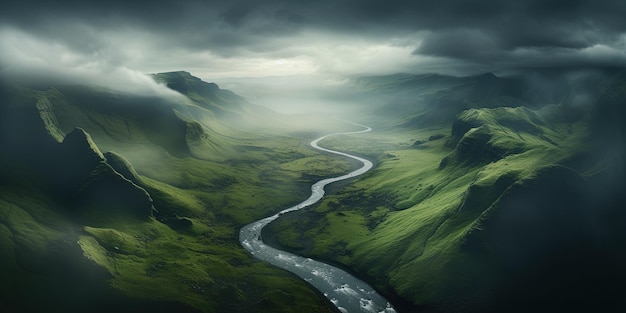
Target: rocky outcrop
{"x":91,"y":183}
{"x":122,"y":166}
{"x":518,"y":119}
{"x":108,"y":191}
{"x":79,"y":156}
{"x":481,"y":136}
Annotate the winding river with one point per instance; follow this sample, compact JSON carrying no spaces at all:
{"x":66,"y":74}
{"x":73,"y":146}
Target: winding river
{"x":346,"y":292}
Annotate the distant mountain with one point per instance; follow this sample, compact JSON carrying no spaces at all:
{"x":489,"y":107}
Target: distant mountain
{"x":223,"y":103}
{"x":430,"y":99}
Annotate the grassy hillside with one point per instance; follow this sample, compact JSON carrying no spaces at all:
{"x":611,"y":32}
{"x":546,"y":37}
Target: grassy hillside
{"x":498,"y":214}
{"x":224,"y":104}
{"x":152,"y":223}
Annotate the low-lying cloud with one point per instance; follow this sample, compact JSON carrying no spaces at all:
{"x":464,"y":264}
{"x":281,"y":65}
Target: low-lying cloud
{"x":31,"y":59}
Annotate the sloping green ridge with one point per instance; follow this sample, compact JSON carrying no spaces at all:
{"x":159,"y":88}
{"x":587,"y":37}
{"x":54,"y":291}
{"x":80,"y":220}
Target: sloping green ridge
{"x":105,"y":204}
{"x":447,"y":225}
{"x":223,"y":103}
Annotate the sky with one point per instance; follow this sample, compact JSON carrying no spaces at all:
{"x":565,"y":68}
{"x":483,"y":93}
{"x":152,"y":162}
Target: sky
{"x":220,"y":40}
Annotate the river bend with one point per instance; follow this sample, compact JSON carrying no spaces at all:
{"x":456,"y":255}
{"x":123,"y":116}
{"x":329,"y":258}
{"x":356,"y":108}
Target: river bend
{"x":346,"y":292}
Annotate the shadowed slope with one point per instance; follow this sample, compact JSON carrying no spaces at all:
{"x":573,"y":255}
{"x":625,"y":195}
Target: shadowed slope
{"x":59,"y":190}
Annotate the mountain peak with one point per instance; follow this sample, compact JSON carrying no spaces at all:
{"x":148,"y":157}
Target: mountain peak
{"x":183,"y":82}
{"x":207,"y":95}
{"x":80,"y":142}
{"x":176,"y":76}
{"x":176,"y":73}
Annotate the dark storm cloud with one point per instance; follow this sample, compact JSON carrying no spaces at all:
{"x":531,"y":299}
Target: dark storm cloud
{"x":485,"y":34}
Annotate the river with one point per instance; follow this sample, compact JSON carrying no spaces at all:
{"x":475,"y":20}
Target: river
{"x":346,"y":292}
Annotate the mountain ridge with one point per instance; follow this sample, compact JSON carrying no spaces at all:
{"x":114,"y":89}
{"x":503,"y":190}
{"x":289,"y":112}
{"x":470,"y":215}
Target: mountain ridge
{"x":153,"y":229}
{"x":426,"y":100}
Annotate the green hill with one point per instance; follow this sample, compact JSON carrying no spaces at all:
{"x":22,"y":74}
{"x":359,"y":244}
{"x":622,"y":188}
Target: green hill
{"x":152,"y":223}
{"x":498,"y":210}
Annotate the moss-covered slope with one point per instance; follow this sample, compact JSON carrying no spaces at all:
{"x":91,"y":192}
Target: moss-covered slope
{"x":152,"y":226}
{"x":501,"y":215}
